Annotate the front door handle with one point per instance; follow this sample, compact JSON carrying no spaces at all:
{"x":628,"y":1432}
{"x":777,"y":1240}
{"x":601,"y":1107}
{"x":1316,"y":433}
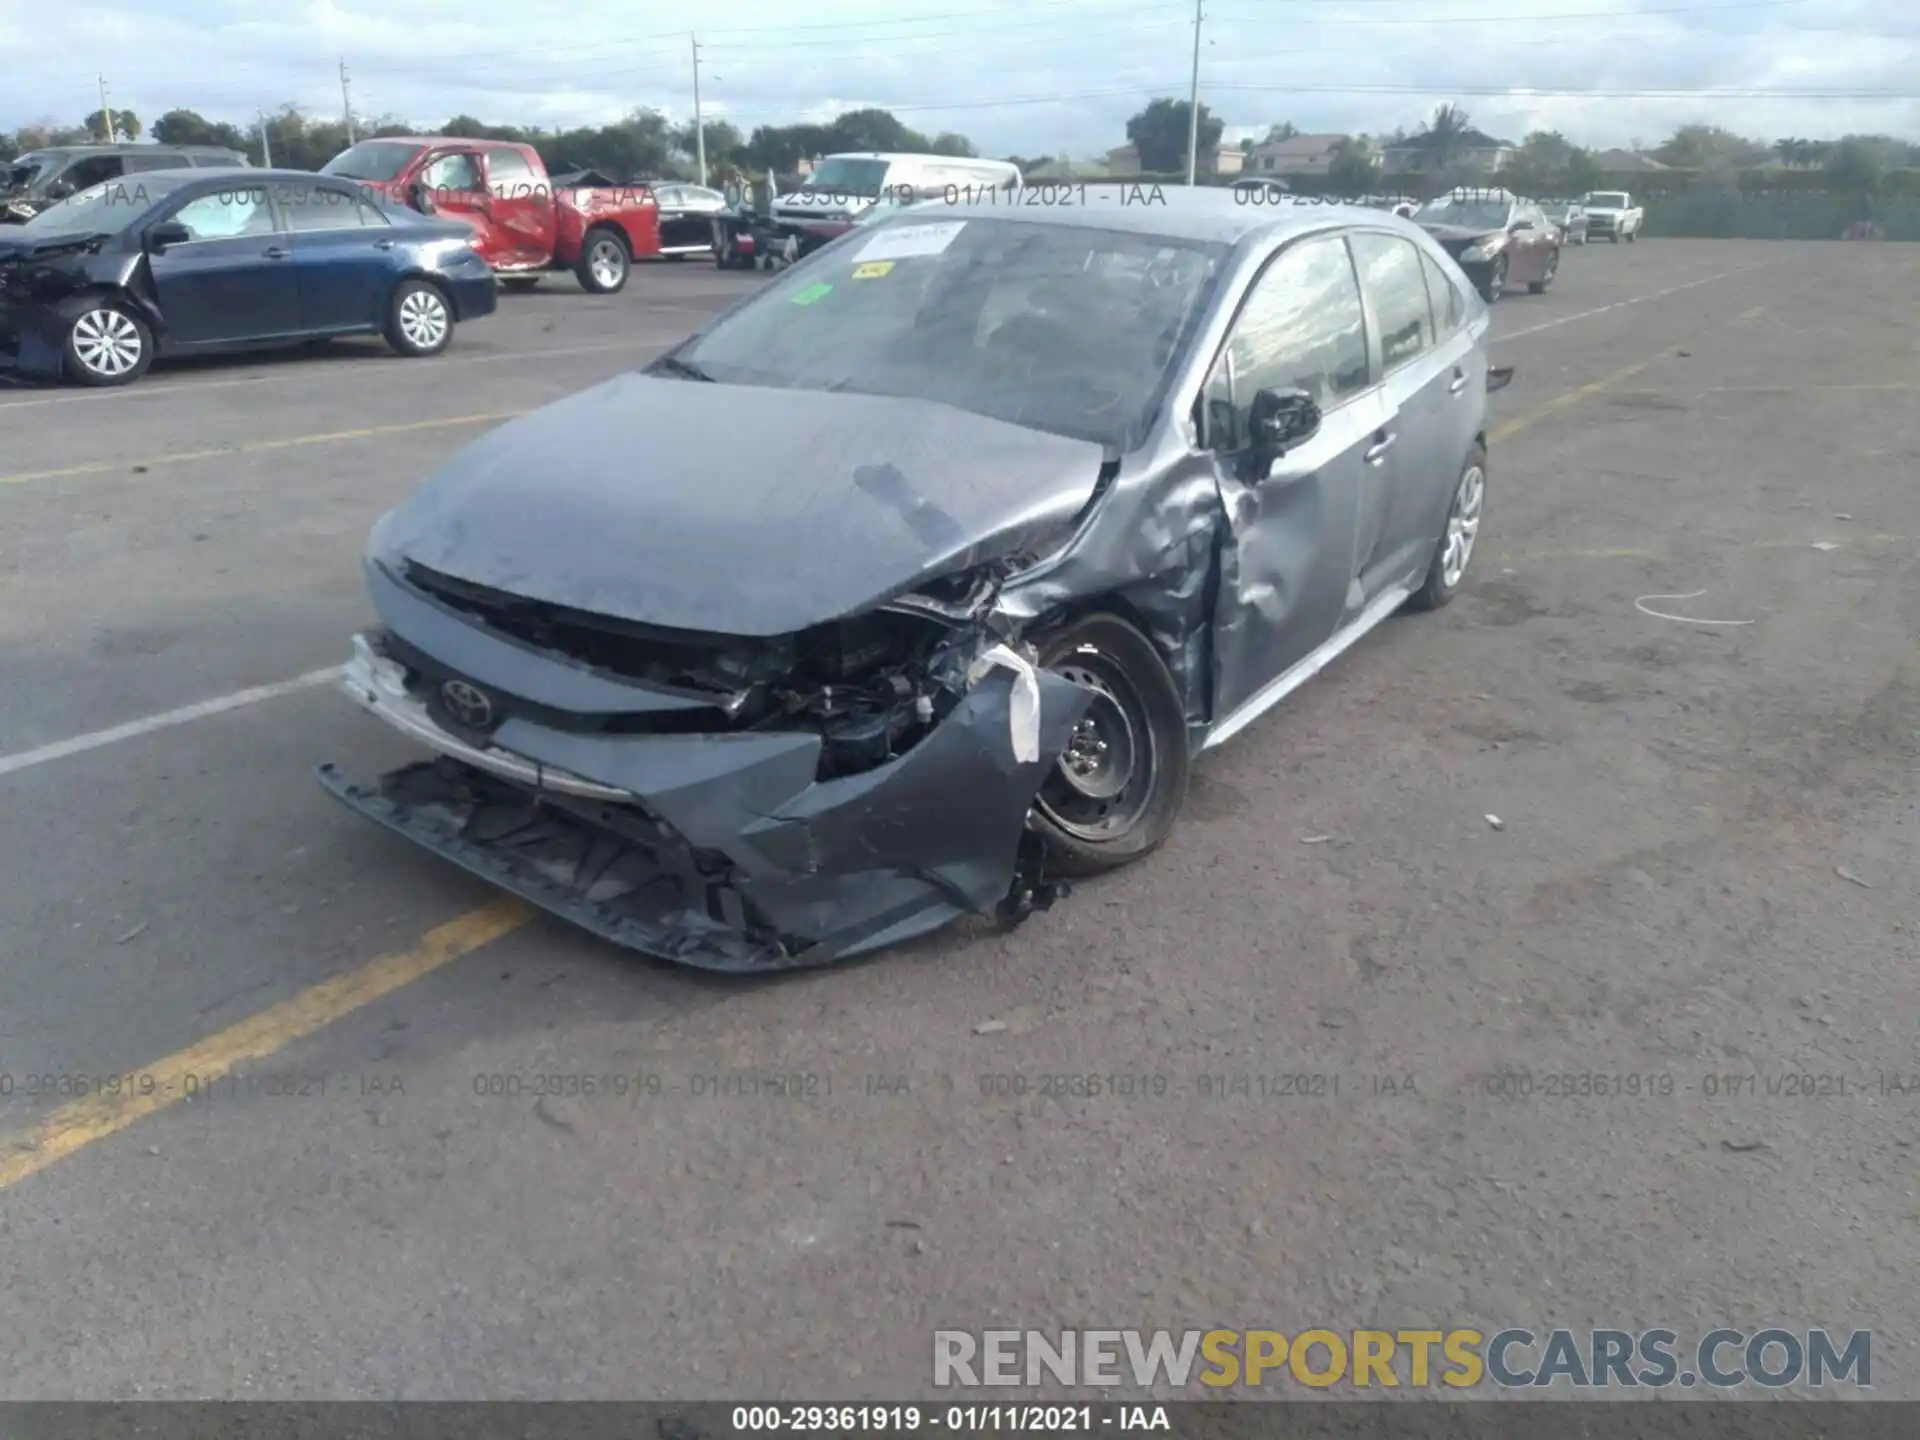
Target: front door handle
{"x":383,"y":244}
{"x":275,"y":252}
{"x":1459,"y":381}
{"x":1378,"y":452}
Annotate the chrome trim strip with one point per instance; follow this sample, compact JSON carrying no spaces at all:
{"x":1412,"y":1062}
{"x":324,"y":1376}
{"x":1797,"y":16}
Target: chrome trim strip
{"x":378,"y":686}
{"x":1271,"y":694}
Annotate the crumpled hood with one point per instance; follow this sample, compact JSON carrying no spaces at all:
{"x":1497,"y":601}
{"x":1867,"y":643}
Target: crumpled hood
{"x":734,"y":509}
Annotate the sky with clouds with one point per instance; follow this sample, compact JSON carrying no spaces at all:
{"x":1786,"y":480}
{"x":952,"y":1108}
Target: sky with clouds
{"x":1046,"y":76}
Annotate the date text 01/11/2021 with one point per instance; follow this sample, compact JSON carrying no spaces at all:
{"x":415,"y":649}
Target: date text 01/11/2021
{"x":954,"y":1419}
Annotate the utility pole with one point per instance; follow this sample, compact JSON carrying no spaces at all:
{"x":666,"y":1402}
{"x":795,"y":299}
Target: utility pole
{"x":346,"y":98}
{"x":1193,"y":103}
{"x":266,"y":145}
{"x":699,"y":126}
{"x":106,"y":114}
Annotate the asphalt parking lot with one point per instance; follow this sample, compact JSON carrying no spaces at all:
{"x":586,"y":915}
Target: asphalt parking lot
{"x":1702,"y":876}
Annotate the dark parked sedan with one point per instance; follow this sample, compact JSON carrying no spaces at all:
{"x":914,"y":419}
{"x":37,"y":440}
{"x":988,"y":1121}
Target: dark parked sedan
{"x":1498,"y":239}
{"x":180,"y":262}
{"x":1020,"y":510}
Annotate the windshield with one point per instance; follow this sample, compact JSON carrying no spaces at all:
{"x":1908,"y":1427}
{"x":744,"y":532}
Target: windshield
{"x":848,"y":176}
{"x":108,"y":206}
{"x":1608,"y":200}
{"x":1467,"y":213}
{"x":1068,"y":329}
{"x":371,"y":160}
{"x":24,"y":170}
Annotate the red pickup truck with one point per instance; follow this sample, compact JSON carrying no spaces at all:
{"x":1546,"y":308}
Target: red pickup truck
{"x":524,"y":225}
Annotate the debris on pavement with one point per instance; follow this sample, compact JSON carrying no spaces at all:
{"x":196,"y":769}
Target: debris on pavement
{"x":1315,"y":839}
{"x":137,"y":930}
{"x":989,"y":1027}
{"x":1742,"y":1147}
{"x":1496,"y":822}
{"x":1851,"y":878}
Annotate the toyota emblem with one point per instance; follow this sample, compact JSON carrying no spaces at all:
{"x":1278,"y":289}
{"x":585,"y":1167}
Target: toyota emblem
{"x":467,"y":704}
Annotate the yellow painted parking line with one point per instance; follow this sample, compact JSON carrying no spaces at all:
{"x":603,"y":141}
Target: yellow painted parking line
{"x":252,"y":447}
{"x":1507,"y":429}
{"x":75,"y":1126}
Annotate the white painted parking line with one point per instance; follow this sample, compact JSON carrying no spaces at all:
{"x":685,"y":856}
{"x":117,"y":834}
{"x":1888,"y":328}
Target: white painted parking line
{"x":1622,"y":304}
{"x":654,"y":340}
{"x":239,"y":699}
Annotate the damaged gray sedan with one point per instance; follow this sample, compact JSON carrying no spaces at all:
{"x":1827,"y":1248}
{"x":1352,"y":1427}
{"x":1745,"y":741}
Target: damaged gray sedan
{"x":922,"y":575}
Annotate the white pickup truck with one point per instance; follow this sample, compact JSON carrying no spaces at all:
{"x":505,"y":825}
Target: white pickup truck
{"x":1612,"y":215}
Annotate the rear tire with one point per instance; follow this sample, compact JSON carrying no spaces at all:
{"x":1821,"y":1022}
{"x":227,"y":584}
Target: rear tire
{"x":419,"y":319}
{"x":107,"y":344}
{"x":1115,"y":794}
{"x":1496,"y":285}
{"x":1458,"y":537}
{"x":604,"y":262}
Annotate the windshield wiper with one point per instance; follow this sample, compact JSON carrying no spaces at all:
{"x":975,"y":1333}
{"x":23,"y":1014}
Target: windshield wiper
{"x":685,"y":369}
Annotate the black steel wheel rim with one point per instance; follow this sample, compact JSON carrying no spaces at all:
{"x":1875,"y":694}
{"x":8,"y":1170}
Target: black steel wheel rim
{"x":1104,"y":780}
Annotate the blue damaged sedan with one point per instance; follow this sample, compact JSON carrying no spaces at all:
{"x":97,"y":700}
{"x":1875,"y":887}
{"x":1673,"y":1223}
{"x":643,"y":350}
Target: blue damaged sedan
{"x":182,"y":262}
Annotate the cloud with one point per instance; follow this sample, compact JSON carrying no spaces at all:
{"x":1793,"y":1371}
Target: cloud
{"x":1058,"y":76}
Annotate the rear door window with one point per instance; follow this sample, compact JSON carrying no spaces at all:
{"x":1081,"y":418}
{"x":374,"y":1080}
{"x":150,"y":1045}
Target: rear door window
{"x":1390,"y":270}
{"x":228,"y":213}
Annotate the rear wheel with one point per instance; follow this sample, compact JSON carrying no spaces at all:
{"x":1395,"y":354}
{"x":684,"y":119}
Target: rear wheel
{"x":604,"y":263}
{"x":1457,"y":541}
{"x":419,"y":320}
{"x":107,"y":344}
{"x":1114,"y":795}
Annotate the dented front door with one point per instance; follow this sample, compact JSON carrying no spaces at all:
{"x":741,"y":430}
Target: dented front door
{"x":1287,"y":569}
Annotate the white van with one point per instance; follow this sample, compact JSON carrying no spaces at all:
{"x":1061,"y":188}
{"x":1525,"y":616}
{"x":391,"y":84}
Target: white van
{"x":843,"y":187}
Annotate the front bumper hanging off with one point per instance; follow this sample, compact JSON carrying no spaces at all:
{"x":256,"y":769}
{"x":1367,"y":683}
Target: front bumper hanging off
{"x":721,"y":850}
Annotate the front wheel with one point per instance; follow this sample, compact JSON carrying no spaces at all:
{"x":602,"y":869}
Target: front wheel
{"x":1539,"y":287}
{"x":107,"y":344}
{"x":1496,"y":281}
{"x":1115,"y":792}
{"x":604,"y":263}
{"x":419,"y":320}
{"x":1462,"y":532}
{"x":1632,"y":235}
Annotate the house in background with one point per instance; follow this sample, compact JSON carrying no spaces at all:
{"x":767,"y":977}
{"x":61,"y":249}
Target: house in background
{"x":1474,"y":150}
{"x":1627,"y":161}
{"x":1298,"y":155}
{"x":1222,"y":159}
{"x":1069,"y":170}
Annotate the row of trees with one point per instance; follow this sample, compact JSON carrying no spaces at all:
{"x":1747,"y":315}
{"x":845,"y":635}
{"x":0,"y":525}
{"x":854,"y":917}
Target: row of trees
{"x":1546,"y":162}
{"x":644,"y":144}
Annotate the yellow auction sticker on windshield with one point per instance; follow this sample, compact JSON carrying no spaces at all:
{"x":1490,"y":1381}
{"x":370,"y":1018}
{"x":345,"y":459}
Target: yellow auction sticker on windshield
{"x":872,"y":270}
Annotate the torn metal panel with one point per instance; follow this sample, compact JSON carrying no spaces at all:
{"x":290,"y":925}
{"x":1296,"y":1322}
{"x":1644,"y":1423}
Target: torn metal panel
{"x":726,"y":851}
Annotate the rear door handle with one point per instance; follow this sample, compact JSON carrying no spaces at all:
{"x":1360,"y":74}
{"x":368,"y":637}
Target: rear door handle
{"x":1378,"y":452}
{"x":1459,"y":381}
{"x":383,"y":244}
{"x":275,"y":252}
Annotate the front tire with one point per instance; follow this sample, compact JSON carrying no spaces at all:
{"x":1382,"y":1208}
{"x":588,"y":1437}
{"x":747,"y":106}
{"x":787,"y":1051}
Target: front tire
{"x":1457,"y":540}
{"x":604,"y":263}
{"x":107,"y":344}
{"x":1115,"y":793}
{"x":1539,"y":287}
{"x":1496,"y":285}
{"x":419,"y":319}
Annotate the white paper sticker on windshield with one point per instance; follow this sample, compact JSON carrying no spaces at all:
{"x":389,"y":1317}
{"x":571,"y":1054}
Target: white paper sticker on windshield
{"x":898,"y":242}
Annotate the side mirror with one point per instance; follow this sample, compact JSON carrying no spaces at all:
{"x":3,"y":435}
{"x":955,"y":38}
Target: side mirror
{"x":167,"y":232}
{"x":1278,"y":421}
{"x":1499,"y":377}
{"x":420,"y":197}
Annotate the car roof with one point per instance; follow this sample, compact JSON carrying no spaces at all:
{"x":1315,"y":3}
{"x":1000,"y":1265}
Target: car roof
{"x":472,"y":140}
{"x":133,"y":149}
{"x":256,"y":175}
{"x":1205,"y":213}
